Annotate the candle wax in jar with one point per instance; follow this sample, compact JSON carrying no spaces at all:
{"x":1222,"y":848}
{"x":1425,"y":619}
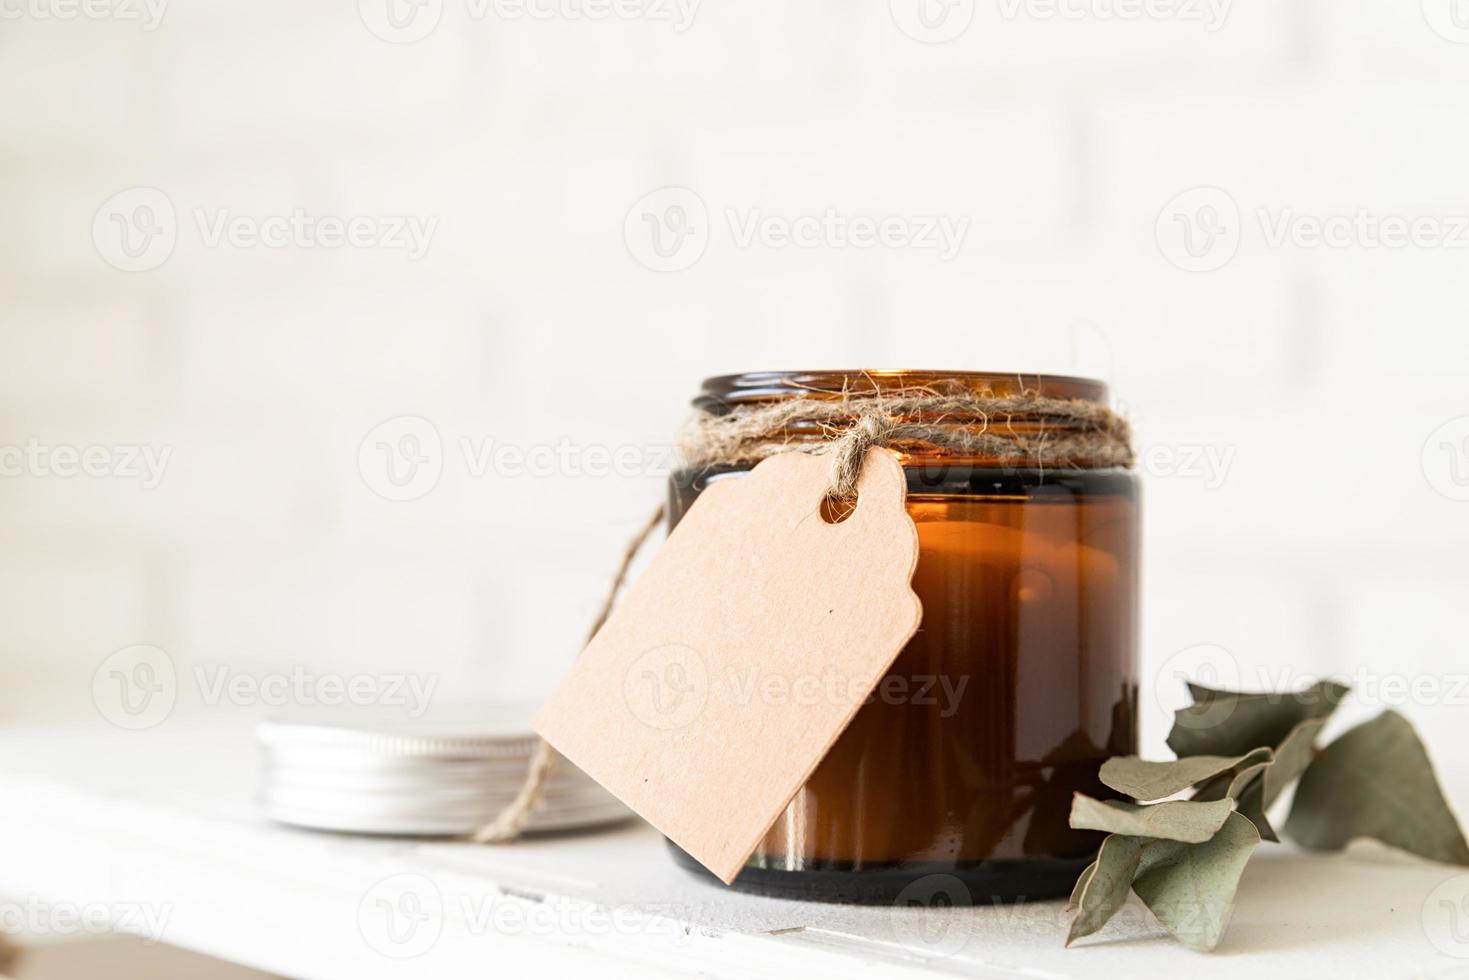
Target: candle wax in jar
{"x":1012,"y":693}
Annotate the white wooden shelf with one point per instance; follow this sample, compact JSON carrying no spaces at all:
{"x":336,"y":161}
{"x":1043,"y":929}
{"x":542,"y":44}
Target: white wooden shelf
{"x":163,"y":820}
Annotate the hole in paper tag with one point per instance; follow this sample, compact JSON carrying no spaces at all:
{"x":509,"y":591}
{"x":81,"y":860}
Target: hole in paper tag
{"x":836,"y":509}
{"x":732,"y":664}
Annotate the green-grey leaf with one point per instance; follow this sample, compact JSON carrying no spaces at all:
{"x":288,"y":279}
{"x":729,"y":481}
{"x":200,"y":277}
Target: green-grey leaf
{"x":1291,"y":758}
{"x":1180,"y":820}
{"x":1235,"y":780}
{"x":1191,"y":887}
{"x":1146,"y":781}
{"x":1245,"y":785}
{"x":1333,"y":691}
{"x":1074,"y":902}
{"x":1225,"y":723}
{"x":1250,"y":803}
{"x":1101,"y":893}
{"x":1254,"y":786}
{"x":1376,"y":781}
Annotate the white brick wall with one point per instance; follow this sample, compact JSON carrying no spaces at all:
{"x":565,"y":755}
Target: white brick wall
{"x":1317,"y":373}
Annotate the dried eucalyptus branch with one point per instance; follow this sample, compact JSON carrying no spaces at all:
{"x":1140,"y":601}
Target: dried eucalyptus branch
{"x":1237,"y":753}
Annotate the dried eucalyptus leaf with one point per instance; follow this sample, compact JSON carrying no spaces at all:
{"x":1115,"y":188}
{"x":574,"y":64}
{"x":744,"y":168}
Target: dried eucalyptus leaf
{"x":1291,"y":759}
{"x":1226,"y":723}
{"x":1250,"y":803}
{"x":1254,"y":785}
{"x":1235,"y":780}
{"x":1180,"y":820}
{"x":1376,"y":781}
{"x":1101,"y":893}
{"x":1245,"y":785}
{"x":1191,"y":887}
{"x":1074,"y":902}
{"x":1332,"y":691}
{"x":1146,"y":781}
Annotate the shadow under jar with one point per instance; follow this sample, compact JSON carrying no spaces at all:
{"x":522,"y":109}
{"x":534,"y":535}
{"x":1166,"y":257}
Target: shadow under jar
{"x":1019,"y":683}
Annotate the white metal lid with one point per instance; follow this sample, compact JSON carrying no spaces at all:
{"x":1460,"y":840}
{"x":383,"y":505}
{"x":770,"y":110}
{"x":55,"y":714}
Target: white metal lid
{"x":449,"y":770}
{"x":460,"y":730}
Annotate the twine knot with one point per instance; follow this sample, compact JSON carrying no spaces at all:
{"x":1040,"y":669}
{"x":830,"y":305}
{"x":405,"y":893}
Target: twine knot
{"x":849,"y":451}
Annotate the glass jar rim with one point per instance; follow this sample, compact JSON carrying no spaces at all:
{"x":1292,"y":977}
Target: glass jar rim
{"x":720,"y":392}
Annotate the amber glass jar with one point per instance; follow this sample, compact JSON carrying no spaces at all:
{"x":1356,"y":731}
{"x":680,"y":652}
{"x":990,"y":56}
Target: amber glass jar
{"x":1020,"y":682}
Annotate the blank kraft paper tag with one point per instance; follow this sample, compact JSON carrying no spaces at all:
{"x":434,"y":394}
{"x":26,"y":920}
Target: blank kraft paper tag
{"x":736,"y":659}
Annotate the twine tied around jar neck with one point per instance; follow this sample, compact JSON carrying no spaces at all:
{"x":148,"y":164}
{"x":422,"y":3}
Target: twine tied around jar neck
{"x":1053,"y":433}
{"x":1026,"y":429}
